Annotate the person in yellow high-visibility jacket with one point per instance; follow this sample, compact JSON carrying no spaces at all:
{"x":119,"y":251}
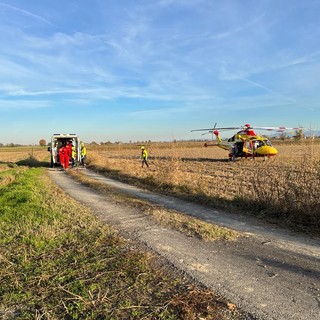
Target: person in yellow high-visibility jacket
{"x":144,"y":157}
{"x":83,"y":154}
{"x":73,"y":155}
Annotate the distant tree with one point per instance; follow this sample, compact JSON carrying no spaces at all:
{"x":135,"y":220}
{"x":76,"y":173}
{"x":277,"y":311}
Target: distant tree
{"x":298,"y":135}
{"x":42,"y":142}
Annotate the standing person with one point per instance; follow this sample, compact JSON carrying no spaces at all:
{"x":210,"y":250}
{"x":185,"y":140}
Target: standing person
{"x":54,"y":154}
{"x":233,"y":152}
{"x":67,"y":155}
{"x":73,"y":155}
{"x":62,"y":155}
{"x":144,"y":157}
{"x":83,"y":154}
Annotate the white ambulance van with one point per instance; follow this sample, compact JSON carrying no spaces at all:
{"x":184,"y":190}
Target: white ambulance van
{"x":56,"y":142}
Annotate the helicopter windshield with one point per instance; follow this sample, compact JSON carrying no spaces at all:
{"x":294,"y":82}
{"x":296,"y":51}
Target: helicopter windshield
{"x":267,"y":142}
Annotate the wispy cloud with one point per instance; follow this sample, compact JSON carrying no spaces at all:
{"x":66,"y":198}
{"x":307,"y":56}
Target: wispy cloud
{"x":26,"y":13}
{"x":273,"y":92}
{"x":308,"y":58}
{"x":232,"y":32}
{"x":24,"y":104}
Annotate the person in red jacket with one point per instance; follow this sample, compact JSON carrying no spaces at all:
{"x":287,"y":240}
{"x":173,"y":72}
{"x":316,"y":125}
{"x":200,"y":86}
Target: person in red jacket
{"x":62,"y":155}
{"x":67,"y":155}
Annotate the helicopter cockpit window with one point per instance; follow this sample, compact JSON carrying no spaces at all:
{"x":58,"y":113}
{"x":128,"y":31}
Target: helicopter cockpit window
{"x":267,"y":142}
{"x":261,"y":143}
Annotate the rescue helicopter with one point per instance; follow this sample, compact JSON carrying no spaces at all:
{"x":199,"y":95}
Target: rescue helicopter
{"x":246,"y":143}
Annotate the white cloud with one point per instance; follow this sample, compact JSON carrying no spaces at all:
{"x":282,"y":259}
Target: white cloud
{"x":23,"y":104}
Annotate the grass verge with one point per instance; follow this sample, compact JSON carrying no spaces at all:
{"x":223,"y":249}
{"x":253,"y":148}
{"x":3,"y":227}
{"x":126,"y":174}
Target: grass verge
{"x":57,"y":261}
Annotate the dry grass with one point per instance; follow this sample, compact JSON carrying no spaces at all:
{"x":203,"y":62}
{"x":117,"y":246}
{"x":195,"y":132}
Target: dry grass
{"x":285,"y":188}
{"x":16,"y":154}
{"x":190,"y":226}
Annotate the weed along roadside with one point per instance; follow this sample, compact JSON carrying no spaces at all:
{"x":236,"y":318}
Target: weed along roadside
{"x":58,"y":261}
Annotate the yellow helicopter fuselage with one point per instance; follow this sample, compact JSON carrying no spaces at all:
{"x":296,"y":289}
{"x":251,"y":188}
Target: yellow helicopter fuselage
{"x":243,"y":145}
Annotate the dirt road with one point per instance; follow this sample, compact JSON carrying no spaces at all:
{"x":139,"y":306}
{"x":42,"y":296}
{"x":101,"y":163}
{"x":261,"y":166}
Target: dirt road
{"x":270,"y":273}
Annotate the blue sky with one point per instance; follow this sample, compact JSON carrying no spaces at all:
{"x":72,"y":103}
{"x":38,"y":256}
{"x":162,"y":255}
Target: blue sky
{"x":156,"y":69}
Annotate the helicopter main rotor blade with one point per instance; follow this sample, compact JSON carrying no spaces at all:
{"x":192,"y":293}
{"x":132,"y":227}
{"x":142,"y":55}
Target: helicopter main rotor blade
{"x":201,"y":130}
{"x":279,"y":129}
{"x":214,"y":128}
